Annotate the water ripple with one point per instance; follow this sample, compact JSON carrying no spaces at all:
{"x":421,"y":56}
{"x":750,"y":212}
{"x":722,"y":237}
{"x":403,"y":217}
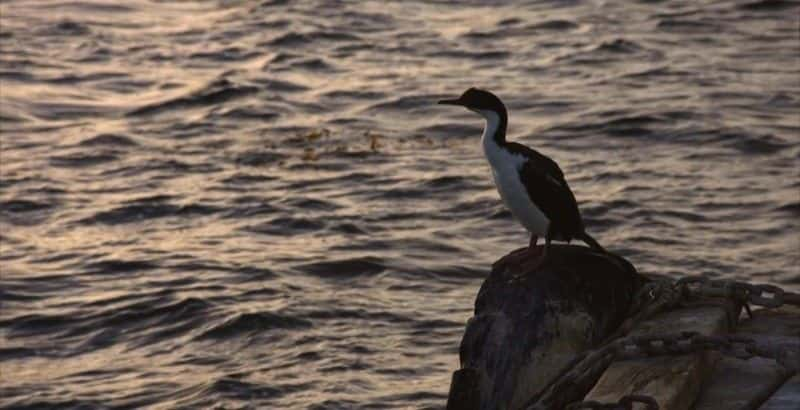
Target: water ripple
{"x":261,"y":205}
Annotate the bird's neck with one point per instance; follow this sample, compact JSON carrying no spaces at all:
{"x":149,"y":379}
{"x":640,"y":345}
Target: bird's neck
{"x":494,"y":135}
{"x":495,"y":128}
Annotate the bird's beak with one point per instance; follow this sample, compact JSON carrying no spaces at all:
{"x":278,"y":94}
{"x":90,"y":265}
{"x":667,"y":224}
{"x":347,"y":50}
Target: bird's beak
{"x":454,"y":101}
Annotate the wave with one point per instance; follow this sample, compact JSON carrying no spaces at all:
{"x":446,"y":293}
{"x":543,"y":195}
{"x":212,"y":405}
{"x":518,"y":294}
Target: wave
{"x":344,"y":268}
{"x":108,"y":140}
{"x":16,"y":206}
{"x":217,"y":92}
{"x":80,"y":160}
{"x":146,"y":211}
{"x":255,"y":322}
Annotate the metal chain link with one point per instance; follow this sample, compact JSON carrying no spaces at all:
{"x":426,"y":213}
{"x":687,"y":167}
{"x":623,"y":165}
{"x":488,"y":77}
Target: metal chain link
{"x":786,"y":354}
{"x":575,"y":379}
{"x":769,"y":296}
{"x":655,"y":297}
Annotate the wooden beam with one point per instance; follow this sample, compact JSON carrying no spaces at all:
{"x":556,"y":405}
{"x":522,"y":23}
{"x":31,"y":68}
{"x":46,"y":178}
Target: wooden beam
{"x":786,"y":398}
{"x":745,"y":384}
{"x":673,"y":381}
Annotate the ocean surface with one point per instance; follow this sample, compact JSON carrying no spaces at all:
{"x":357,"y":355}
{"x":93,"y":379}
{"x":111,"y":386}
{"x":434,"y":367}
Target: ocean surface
{"x":235,"y":204}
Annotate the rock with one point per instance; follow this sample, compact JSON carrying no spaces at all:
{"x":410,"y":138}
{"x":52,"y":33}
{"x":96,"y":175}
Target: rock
{"x":526,"y":329}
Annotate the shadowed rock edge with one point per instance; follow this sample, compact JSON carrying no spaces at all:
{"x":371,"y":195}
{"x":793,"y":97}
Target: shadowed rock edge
{"x":526,"y":327}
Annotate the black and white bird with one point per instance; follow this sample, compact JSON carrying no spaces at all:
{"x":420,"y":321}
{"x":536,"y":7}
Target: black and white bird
{"x":531,"y":185}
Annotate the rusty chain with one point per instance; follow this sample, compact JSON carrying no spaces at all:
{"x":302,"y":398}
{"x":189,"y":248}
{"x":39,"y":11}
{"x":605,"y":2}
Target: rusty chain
{"x":574,"y":380}
{"x":655,"y":297}
{"x":786,"y":354}
{"x":769,"y":296}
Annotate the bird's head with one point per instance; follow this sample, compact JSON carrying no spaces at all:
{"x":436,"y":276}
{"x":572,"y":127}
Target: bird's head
{"x":480,"y":101}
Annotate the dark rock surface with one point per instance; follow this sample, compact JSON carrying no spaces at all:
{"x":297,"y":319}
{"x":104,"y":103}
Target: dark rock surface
{"x":528,"y":326}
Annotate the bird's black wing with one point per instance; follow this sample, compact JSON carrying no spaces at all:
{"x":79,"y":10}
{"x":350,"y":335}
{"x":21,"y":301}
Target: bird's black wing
{"x":547,"y":188}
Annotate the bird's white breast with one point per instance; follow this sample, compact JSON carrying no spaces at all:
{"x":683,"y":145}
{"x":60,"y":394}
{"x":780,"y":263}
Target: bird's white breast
{"x":505,"y":170}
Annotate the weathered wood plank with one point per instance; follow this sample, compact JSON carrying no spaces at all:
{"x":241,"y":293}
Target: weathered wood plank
{"x":786,"y":398}
{"x":744,"y":384}
{"x":673,"y":382}
{"x":777,"y":322}
{"x":739,"y":384}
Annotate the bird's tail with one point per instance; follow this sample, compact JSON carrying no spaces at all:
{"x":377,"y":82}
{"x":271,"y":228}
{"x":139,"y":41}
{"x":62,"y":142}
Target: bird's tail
{"x":591,"y":242}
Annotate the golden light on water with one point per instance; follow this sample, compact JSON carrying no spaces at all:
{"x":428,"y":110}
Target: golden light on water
{"x":238,"y":203}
